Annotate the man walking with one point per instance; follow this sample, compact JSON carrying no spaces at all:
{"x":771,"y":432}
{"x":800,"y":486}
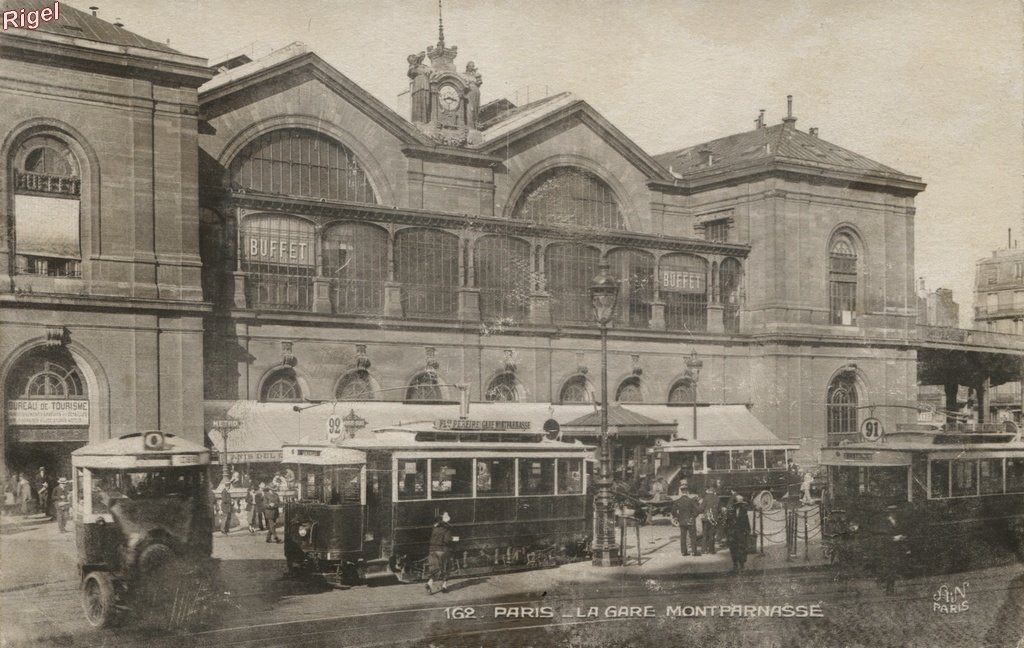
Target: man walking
{"x":686,"y":512}
{"x":709,"y":525}
{"x":738,"y":529}
{"x":227,"y":507}
{"x":441,"y":539}
{"x":271,"y":503}
{"x":62,"y":503}
{"x":43,"y":492}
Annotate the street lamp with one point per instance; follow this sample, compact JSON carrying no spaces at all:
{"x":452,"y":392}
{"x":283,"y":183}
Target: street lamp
{"x":693,"y":365}
{"x":603,"y":293}
{"x":225,"y":426}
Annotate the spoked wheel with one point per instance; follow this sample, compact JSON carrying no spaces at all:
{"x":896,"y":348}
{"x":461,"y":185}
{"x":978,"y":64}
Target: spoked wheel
{"x":99,"y":599}
{"x":674,"y":519}
{"x":764,"y":500}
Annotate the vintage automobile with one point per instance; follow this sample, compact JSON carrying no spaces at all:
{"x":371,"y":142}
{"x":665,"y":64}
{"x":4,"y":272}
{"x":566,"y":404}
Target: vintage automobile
{"x":144,"y":523}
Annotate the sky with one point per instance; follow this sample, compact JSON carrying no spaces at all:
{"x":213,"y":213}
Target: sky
{"x":932,"y":88}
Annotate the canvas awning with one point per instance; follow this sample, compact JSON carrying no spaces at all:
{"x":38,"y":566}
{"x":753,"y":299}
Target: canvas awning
{"x":622,"y":422}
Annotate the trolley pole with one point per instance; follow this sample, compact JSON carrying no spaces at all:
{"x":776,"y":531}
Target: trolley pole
{"x":603,"y":293}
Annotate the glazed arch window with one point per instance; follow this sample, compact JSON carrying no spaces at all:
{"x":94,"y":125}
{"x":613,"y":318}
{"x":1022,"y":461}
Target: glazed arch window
{"x":730,"y":275}
{"x":503,"y":389}
{"x":424,"y":387}
{"x":683,"y":286}
{"x":683,"y":391}
{"x":570,"y":270}
{"x":570,"y":197}
{"x":843,"y":281}
{"x":47,"y":209}
{"x":630,"y":391}
{"x":279,"y":259}
{"x":355,"y":386}
{"x":427,"y":266}
{"x":355,"y":260}
{"x":504,"y":277}
{"x":576,"y":390}
{"x":841,"y":410}
{"x":634,"y":270}
{"x":281,"y":387}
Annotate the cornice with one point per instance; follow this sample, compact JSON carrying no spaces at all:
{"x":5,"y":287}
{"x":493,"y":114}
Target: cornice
{"x":105,"y":303}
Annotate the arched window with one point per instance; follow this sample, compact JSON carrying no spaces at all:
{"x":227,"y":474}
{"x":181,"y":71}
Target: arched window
{"x":47,"y":195}
{"x":570,"y":270}
{"x":730,"y":274}
{"x":634,"y":270}
{"x":683,"y":286}
{"x":427,"y":266}
{"x":424,"y":387}
{"x":569,"y":197}
{"x":503,"y":389}
{"x":355,"y":386}
{"x":504,"y":277}
{"x":355,"y":259}
{"x":841,"y":409}
{"x":298,"y":162}
{"x":630,"y":391}
{"x":842,"y":281}
{"x":279,"y":260}
{"x":282,"y":386}
{"x":682,"y":391}
{"x":576,"y":390}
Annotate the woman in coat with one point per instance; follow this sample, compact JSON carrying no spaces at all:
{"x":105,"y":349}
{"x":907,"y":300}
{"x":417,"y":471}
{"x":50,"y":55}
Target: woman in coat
{"x":738,"y":530}
{"x":441,"y":539}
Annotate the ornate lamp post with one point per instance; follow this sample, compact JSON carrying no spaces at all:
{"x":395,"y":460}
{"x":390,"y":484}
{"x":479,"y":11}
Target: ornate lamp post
{"x":603,"y":293}
{"x":693,"y":365}
{"x":225,"y":427}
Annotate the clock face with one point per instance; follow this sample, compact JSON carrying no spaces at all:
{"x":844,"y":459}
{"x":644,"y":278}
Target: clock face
{"x":449,"y":97}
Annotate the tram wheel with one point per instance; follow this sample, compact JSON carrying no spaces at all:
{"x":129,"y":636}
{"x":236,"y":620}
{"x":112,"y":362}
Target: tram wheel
{"x":764,"y":500}
{"x":99,"y":599}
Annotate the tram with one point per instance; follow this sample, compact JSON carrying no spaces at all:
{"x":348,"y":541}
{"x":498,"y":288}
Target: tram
{"x":517,"y":499}
{"x":758,"y":472}
{"x":927,"y":497}
{"x":144,"y":529}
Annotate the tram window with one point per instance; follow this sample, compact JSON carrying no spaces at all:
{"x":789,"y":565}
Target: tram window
{"x":495,"y":477}
{"x":412,"y":479}
{"x":990,"y":475}
{"x":536,"y":476}
{"x":940,"y":478}
{"x":344,"y":484}
{"x":718,"y":461}
{"x":1015,"y":475}
{"x":759,"y":459}
{"x":888,"y":484}
{"x":776,"y":458}
{"x":451,"y":478}
{"x":742,"y":459}
{"x":570,"y":476}
{"x":965,"y":478}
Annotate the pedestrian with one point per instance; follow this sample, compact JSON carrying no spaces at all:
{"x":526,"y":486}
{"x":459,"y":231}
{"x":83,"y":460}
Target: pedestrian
{"x":279,"y":482}
{"x":227,"y":507}
{"x":42,"y":486}
{"x":24,"y":494}
{"x":738,"y":532}
{"x":709,"y":525}
{"x":441,"y":540}
{"x":271,"y":503}
{"x":255,"y":500}
{"x":687,"y":507}
{"x":62,"y":503}
{"x":806,"y":488}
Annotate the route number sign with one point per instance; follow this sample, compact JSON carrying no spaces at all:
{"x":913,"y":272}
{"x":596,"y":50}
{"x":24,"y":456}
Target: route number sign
{"x":871,"y":429}
{"x":335,"y":427}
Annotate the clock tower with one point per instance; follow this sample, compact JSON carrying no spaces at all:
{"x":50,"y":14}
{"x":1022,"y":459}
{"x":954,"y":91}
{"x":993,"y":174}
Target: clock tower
{"x":445,"y":102}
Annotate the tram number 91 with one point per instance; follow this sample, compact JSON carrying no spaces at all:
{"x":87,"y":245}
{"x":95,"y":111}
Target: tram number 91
{"x":871,"y":429}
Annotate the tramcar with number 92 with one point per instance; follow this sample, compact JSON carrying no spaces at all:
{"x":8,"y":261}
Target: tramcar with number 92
{"x":366,"y":506}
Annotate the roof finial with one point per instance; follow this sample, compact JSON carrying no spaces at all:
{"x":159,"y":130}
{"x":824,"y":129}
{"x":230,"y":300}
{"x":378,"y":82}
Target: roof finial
{"x":440,"y":24}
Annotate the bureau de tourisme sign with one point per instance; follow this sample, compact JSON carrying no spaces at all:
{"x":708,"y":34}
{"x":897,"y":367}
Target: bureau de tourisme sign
{"x":47,"y":412}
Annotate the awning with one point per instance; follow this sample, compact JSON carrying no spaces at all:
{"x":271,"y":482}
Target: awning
{"x":621,"y":423}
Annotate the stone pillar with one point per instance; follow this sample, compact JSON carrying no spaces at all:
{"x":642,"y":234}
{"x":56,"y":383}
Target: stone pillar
{"x":392,"y":299}
{"x":951,"y":390}
{"x":716,"y":318}
{"x":657,"y":322}
{"x":239,"y":297}
{"x":540,"y":308}
{"x":321,"y":295}
{"x":469,"y":304}
{"x":984,"y":401}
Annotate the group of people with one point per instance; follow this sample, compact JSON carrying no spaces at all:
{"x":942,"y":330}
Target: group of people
{"x":734,"y":518}
{"x":263,"y":505}
{"x":41,"y":495}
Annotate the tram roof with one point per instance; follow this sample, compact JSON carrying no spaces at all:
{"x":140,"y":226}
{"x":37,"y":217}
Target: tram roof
{"x":130,"y":450}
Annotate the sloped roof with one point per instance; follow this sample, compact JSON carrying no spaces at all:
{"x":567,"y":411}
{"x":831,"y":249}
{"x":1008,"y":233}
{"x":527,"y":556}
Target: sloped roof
{"x":80,"y":24}
{"x":780,"y":142}
{"x":620,"y":421}
{"x":509,"y":120}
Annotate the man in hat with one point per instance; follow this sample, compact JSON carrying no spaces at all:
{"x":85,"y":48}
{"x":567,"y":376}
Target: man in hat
{"x":62,"y":503}
{"x":687,"y":507}
{"x":43,"y":484}
{"x":271,"y":503}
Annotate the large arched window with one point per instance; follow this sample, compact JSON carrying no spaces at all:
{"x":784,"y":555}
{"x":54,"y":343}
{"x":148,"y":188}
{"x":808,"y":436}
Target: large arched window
{"x":503,"y":389}
{"x":424,"y":387}
{"x":427,"y":266}
{"x":47,"y":215}
{"x":298,"y":162}
{"x":841,"y":409}
{"x":730,"y":274}
{"x":683,"y":391}
{"x":355,"y":258}
{"x":842,"y":280}
{"x":355,"y":386}
{"x":282,"y":386}
{"x":279,"y":260}
{"x":570,"y":270}
{"x":576,"y":390}
{"x":630,"y":391}
{"x":683,"y":286}
{"x":634,"y":270}
{"x":569,"y":197}
{"x":504,"y":277}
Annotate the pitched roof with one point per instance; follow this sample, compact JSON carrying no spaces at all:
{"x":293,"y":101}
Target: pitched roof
{"x":83,"y":25}
{"x":778,"y":143}
{"x":620,"y":419}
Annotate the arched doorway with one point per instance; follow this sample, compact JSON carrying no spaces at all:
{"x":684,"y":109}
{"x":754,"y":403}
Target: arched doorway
{"x":47,"y":412}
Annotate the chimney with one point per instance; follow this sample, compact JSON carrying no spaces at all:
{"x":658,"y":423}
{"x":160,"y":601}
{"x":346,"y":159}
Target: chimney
{"x":813,"y":130}
{"x":760,"y":119}
{"x":94,"y":10}
{"x":705,"y":156}
{"x":118,"y":23}
{"x":789,"y":120}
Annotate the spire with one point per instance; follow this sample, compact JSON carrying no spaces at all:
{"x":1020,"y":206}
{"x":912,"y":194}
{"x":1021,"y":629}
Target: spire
{"x":442,"y":57}
{"x":440,"y":25}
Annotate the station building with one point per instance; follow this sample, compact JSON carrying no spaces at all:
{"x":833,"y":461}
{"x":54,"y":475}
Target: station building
{"x":265,"y":241}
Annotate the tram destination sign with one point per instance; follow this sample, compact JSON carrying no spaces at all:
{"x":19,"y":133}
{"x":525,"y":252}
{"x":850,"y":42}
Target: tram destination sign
{"x":478,"y":426}
{"x":39,"y":412}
